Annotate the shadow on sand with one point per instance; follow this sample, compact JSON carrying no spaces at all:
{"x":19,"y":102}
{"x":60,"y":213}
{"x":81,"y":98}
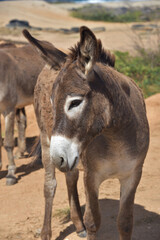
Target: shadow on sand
{"x":146,"y":223}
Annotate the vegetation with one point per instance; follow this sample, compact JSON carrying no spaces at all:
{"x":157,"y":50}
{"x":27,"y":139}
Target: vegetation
{"x":144,"y":69}
{"x":63,"y":214}
{"x":126,"y":14}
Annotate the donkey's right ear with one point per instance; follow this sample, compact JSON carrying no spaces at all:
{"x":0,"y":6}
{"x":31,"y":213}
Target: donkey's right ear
{"x":53,"y":56}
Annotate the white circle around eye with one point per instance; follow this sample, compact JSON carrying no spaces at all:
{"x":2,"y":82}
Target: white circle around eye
{"x":75,"y":111}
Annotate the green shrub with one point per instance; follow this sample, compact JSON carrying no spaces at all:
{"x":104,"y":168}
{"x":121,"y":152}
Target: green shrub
{"x":100,"y":13}
{"x":144,"y":70}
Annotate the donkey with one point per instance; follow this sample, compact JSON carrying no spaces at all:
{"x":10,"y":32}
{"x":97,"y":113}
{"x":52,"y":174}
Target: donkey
{"x":19,"y":69}
{"x":88,"y":111}
{"x":21,"y":121}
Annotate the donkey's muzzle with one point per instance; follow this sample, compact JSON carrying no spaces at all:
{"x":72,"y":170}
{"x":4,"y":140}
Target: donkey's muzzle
{"x":64,"y":153}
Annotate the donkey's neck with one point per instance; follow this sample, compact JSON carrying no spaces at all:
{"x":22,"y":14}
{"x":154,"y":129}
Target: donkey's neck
{"x":106,"y":82}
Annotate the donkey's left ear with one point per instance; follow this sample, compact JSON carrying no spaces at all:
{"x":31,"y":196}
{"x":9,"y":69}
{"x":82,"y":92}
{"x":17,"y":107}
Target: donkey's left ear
{"x":88,"y":49}
{"x":53,"y":56}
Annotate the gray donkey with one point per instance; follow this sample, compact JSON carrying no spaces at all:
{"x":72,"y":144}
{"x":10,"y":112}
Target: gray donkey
{"x":20,"y":118}
{"x":88,"y":111}
{"x":19,"y":69}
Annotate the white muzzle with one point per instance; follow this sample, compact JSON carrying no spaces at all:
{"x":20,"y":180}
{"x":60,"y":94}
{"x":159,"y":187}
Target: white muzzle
{"x":64,"y":153}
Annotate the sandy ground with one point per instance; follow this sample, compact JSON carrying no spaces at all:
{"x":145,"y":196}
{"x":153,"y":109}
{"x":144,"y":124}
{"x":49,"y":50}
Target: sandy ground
{"x":22,"y":205}
{"x":117,"y":36}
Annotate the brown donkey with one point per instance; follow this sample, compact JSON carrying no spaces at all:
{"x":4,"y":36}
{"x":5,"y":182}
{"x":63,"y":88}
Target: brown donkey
{"x":87,"y":110}
{"x":19,"y":70}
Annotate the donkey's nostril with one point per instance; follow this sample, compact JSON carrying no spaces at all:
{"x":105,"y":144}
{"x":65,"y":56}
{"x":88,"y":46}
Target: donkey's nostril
{"x":63,"y":165}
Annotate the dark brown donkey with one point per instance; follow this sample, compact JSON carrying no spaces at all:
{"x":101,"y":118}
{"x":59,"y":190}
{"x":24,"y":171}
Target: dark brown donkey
{"x":19,"y":69}
{"x":98,"y":115}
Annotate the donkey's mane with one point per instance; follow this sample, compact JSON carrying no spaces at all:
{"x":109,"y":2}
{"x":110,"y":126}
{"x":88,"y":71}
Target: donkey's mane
{"x":104,"y":56}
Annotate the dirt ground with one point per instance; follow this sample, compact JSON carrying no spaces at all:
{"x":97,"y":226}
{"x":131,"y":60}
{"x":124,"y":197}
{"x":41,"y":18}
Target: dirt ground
{"x":22,"y":205}
{"x":118,"y":36}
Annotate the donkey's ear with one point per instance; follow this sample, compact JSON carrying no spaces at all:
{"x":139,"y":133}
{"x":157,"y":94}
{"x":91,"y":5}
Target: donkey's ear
{"x":53,"y":56}
{"x":88,"y":49}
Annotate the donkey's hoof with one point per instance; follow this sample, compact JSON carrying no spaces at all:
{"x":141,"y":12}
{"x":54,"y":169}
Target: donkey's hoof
{"x":10,"y":180}
{"x":82,"y":234}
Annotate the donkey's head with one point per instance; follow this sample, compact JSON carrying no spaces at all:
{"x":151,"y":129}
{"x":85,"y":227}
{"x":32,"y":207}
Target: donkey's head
{"x":80,"y":105}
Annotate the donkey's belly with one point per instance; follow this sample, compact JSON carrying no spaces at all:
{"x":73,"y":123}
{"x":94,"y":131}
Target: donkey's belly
{"x":24,"y":101}
{"x":7,"y":99}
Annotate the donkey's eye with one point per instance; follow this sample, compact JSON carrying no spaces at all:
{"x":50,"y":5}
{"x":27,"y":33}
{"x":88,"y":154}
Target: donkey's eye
{"x":75,"y":103}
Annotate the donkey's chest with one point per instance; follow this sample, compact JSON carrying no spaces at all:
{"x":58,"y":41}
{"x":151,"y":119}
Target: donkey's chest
{"x":110,"y":160}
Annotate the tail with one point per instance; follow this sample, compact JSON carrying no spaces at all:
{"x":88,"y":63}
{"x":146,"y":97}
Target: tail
{"x":36,"y":153}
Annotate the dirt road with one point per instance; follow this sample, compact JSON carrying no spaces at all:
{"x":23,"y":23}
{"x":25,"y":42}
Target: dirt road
{"x":22,"y":205}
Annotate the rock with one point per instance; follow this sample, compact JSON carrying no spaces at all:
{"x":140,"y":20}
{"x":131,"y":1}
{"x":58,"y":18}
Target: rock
{"x":18,"y":23}
{"x":138,"y":26}
{"x":155,"y":26}
{"x":25,"y":24}
{"x":75,"y":29}
{"x":99,"y":29}
{"x":144,"y":27}
{"x":68,"y":31}
{"x":49,"y":29}
{"x":37,"y":28}
{"x":64,"y":30}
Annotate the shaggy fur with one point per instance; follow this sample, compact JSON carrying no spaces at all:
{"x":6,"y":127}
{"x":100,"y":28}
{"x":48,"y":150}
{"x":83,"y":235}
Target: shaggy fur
{"x":108,"y":129}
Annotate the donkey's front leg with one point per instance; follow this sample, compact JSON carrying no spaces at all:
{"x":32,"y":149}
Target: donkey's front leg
{"x":49,"y":189}
{"x":1,"y":143}
{"x":9,"y":145}
{"x":92,"y":213}
{"x":75,"y":210}
{"x":125,"y":215}
{"x":21,"y":125}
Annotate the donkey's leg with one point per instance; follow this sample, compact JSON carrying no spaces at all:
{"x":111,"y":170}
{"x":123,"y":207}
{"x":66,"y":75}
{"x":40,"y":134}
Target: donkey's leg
{"x":9,"y":145}
{"x":21,"y":125}
{"x":75,"y":210}
{"x":0,"y":144}
{"x":49,"y":188}
{"x":125,"y":215}
{"x":92,"y":212}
